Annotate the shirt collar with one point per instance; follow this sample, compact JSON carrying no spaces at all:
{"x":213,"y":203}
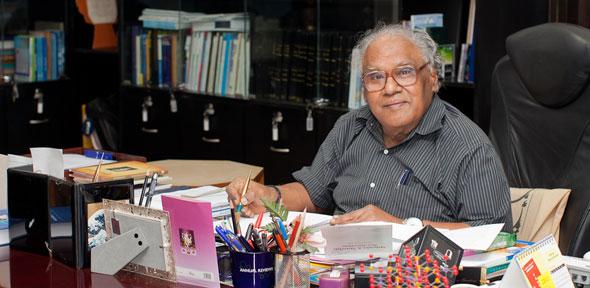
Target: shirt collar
{"x":432,"y":120}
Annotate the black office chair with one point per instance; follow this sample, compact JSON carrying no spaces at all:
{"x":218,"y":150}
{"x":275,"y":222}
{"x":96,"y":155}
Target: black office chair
{"x":540,"y":119}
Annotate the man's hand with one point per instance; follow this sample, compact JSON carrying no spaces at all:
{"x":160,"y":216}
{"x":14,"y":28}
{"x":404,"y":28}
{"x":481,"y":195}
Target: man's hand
{"x":367,"y":213}
{"x":251,"y":204}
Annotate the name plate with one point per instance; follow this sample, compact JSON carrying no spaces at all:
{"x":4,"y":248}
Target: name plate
{"x":357,"y":241}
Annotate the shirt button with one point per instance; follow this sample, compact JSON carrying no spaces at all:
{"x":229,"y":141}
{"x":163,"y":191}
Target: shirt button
{"x":385,"y":151}
{"x":372,"y":185}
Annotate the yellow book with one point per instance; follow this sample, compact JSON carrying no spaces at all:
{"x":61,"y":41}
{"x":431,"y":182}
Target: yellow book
{"x":117,"y":170}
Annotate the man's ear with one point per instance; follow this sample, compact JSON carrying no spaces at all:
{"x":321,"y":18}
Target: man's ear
{"x":435,"y":82}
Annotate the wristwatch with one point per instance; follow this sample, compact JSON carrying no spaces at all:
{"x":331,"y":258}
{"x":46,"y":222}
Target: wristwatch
{"x":413,"y":221}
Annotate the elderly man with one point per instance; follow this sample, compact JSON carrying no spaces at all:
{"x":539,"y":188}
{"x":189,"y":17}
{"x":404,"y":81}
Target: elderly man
{"x":408,"y":155}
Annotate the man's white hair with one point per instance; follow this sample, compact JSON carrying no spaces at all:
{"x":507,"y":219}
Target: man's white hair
{"x":419,"y":37}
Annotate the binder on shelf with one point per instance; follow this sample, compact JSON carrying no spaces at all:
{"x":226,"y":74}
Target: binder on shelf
{"x":56,"y":217}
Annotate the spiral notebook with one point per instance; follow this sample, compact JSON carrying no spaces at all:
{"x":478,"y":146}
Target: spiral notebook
{"x":539,"y":266}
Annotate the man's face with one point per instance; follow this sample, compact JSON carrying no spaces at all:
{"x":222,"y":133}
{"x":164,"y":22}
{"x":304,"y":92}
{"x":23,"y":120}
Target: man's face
{"x":398,"y":109}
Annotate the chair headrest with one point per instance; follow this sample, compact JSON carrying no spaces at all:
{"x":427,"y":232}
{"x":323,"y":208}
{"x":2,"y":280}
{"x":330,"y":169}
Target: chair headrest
{"x":552,"y":60}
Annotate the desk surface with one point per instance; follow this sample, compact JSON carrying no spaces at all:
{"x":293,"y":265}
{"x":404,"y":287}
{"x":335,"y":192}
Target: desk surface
{"x":208,"y":172}
{"x":22,"y":269}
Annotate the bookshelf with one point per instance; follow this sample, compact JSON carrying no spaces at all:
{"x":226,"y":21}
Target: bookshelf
{"x":277,"y":111}
{"x":37,"y":103}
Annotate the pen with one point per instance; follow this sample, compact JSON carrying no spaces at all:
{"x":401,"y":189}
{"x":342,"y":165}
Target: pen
{"x":145,"y":181}
{"x":235,"y":221}
{"x":279,"y":240}
{"x":320,"y":224}
{"x":259,"y":220}
{"x":281,"y":227}
{"x":257,"y":241}
{"x":224,"y":237}
{"x":245,"y":243}
{"x":249,"y":231}
{"x":244,"y":189}
{"x":236,"y":241}
{"x":152,"y":191}
{"x":264,"y":241}
{"x":403,"y":180}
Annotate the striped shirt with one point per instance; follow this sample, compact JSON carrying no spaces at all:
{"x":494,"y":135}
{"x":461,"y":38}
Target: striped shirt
{"x":445,"y":170}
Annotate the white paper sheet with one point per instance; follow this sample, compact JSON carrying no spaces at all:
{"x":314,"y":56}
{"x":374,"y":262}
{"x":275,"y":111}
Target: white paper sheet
{"x":472,"y":238}
{"x":72,"y":161}
{"x":346,"y":242}
{"x":212,"y":194}
{"x":17,"y":161}
{"x":102,"y":11}
{"x":49,"y":161}
{"x":475,"y":238}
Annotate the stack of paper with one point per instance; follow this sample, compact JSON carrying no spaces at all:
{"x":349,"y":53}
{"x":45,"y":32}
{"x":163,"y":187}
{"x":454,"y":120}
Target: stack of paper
{"x":215,"y":195}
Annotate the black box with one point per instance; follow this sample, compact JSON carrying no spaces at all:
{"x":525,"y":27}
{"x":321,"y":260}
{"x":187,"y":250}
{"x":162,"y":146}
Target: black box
{"x":49,"y":216}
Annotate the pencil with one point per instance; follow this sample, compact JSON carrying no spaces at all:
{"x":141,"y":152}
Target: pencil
{"x":97,"y":172}
{"x":244,"y":189}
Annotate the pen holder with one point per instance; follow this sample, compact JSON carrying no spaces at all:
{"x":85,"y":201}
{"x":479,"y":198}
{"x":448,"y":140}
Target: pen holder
{"x":252,"y":269}
{"x":292,"y":270}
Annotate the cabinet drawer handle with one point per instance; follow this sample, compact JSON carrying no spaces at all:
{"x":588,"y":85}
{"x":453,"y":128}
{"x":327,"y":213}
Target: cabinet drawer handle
{"x":280,"y":150}
{"x":211,"y":140}
{"x":38,"y":121}
{"x":151,"y":131}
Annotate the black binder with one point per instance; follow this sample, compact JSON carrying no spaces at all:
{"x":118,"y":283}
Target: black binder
{"x":49,"y":216}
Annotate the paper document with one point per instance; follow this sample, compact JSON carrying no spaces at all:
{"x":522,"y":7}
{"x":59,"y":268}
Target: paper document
{"x":72,"y":161}
{"x":344,"y":241}
{"x":18,"y":161}
{"x":102,"y":11}
{"x":476,"y":237}
{"x":472,"y":238}
{"x":3,"y":167}
{"x":49,"y":161}
{"x":215,"y":195}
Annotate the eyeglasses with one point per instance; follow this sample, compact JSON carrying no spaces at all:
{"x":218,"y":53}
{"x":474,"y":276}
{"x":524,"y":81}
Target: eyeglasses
{"x":404,"y":76}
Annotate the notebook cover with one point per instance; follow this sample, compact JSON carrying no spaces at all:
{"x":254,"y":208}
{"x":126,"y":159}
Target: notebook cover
{"x":193,"y":241}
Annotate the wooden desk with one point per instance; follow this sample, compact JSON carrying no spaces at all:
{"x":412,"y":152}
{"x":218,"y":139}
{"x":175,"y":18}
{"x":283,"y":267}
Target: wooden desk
{"x":208,"y":172}
{"x":32,"y":270}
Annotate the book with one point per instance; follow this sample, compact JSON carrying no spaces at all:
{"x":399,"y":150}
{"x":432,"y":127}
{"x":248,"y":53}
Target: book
{"x":117,"y":170}
{"x":423,"y":21}
{"x":447,"y":55}
{"x":193,"y":240}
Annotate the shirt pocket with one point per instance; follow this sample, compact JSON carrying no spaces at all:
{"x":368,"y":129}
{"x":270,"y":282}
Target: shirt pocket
{"x":431,"y":194}
{"x":415,"y":193}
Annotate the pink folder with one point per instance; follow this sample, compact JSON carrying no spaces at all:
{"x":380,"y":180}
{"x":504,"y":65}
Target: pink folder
{"x":193,"y":241}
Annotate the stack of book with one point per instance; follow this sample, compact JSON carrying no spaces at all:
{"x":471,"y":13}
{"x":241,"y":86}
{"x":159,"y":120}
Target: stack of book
{"x":7,"y":58}
{"x":218,"y":56}
{"x":485,"y":267}
{"x":115,"y":171}
{"x":167,"y":19}
{"x":39,"y":56}
{"x":204,"y":53}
